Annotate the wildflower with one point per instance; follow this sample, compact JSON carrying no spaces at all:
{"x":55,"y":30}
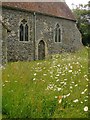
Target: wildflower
{"x":76,"y":85}
{"x":79,"y":70}
{"x":44,"y":74}
{"x":34,"y":74}
{"x":57,"y":75}
{"x":57,"y":80}
{"x":86,"y":96}
{"x":58,"y":65}
{"x":82,"y":93}
{"x":87,"y":79}
{"x":86,"y":108}
{"x":85,"y":75}
{"x":71,"y":67}
{"x":77,"y":62}
{"x":62,"y":82}
{"x":76,"y":100}
{"x":81,"y":66}
{"x":1,"y":67}
{"x":59,"y":99}
{"x":51,"y":76}
{"x":59,"y":89}
{"x":43,"y":80}
{"x":85,"y":90}
{"x":69,"y":64}
{"x":70,"y":87}
{"x":66,"y":68}
{"x":38,"y":63}
{"x":70,"y":71}
{"x":6,"y":81}
{"x":51,"y":72}
{"x":64,"y":96}
{"x":73,"y":82}
{"x":65,"y":83}
{"x":68,"y":95}
{"x":55,"y":96}
{"x":3,"y":85}
{"x":34,"y":78}
{"x":63,"y":74}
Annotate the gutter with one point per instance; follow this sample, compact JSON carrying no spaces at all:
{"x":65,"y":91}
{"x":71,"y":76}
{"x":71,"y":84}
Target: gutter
{"x":34,"y":36}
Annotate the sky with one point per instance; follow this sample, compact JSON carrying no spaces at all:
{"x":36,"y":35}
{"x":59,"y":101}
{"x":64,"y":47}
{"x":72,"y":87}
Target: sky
{"x":76,"y":2}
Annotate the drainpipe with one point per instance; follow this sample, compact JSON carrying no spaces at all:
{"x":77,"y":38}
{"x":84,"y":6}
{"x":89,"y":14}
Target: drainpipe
{"x":34,"y":28}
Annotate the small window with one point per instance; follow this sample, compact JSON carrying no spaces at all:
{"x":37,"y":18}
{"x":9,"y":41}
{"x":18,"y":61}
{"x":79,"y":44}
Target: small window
{"x":24,"y":30}
{"x":57,"y":33}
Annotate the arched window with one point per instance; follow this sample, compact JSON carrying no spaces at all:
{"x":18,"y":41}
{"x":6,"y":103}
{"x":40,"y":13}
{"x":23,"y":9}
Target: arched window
{"x":57,"y":33}
{"x":59,"y":39}
{"x":24,"y":30}
{"x":21,"y":32}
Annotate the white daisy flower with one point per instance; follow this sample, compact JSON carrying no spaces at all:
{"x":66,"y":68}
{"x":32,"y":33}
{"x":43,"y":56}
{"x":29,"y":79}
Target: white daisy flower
{"x":86,"y":108}
{"x":60,"y":101}
{"x":76,"y":100}
{"x":59,"y":89}
{"x":70,"y":71}
{"x":82,"y":93}
{"x":55,"y":96}
{"x":34,"y":78}
{"x":34,"y":74}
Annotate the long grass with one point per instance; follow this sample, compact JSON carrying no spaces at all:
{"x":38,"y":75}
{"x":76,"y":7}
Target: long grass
{"x":54,"y":88}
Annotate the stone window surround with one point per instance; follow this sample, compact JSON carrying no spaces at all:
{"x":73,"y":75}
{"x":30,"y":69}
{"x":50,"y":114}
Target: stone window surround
{"x":24,"y":27}
{"x":60,"y":33}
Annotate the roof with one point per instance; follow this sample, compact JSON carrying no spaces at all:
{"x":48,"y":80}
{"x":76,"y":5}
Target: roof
{"x":57,"y":9}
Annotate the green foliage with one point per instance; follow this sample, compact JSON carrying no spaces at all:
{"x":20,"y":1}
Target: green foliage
{"x":55,"y":88}
{"x":82,"y":13}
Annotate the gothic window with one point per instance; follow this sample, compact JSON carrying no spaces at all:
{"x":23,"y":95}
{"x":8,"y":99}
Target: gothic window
{"x":57,"y":33}
{"x":24,"y":30}
{"x":21,"y":32}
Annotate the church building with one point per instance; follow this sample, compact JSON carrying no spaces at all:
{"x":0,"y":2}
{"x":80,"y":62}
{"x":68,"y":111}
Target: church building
{"x":37,"y":30}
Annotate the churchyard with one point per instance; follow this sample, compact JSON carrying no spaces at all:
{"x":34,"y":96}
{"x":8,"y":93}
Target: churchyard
{"x":52,"y":88}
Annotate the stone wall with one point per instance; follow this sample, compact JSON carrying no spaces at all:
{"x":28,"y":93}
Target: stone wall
{"x":41,"y":27}
{"x":4,"y":45}
{"x":70,"y":36}
{"x":17,"y":50}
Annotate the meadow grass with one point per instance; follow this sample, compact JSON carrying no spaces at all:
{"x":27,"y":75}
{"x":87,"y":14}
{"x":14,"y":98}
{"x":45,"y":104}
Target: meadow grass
{"x":54,"y":88}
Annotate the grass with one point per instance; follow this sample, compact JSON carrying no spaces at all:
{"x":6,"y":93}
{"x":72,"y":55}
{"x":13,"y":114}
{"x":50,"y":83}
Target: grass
{"x":54,"y":88}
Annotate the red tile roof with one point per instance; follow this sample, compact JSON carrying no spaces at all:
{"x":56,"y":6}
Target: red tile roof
{"x":58,"y":9}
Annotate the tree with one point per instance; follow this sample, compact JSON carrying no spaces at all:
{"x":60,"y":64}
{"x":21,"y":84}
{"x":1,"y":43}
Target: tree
{"x":82,"y":14}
